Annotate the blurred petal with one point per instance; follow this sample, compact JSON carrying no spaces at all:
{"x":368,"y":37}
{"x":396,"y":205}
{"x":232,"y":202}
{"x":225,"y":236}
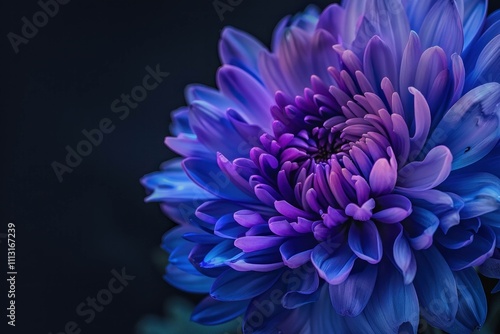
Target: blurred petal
{"x":233,"y":285}
{"x":212,"y":312}
{"x":239,"y":49}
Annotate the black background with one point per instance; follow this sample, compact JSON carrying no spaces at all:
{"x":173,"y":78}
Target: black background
{"x":70,"y":235}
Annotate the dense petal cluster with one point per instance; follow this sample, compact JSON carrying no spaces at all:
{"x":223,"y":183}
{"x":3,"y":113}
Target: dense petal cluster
{"x":346,"y":180}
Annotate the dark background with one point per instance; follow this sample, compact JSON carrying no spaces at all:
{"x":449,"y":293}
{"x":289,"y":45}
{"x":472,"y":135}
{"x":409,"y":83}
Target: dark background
{"x":71,"y":234}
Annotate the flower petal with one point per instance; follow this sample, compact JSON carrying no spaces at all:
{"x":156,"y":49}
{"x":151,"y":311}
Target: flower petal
{"x":429,"y":173}
{"x":474,"y":16}
{"x":474,"y":254}
{"x":239,"y":49}
{"x":472,"y":307}
{"x":365,"y":242}
{"x":420,"y":227}
{"x":470,"y":129}
{"x":233,"y":285}
{"x":479,"y":191}
{"x":350,"y":297}
{"x":393,"y":304}
{"x":443,"y":27}
{"x":333,"y":265}
{"x":436,"y":288}
{"x":213,"y":312}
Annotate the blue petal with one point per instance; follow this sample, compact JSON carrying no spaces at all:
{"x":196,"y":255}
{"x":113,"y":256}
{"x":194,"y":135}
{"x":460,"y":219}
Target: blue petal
{"x":297,"y":251}
{"x":209,"y":176}
{"x":426,"y":174}
{"x":491,"y":267}
{"x":492,"y":19}
{"x":332,"y":20}
{"x":173,"y":185}
{"x":350,"y":297}
{"x":392,"y":305}
{"x":403,"y":256}
{"x":227,"y":227}
{"x":487,"y":65}
{"x":479,"y":191}
{"x":443,"y":27}
{"x":249,"y":94}
{"x":302,"y":287}
{"x":212,"y":211}
{"x":470,"y":129}
{"x":473,"y":53}
{"x":266,"y":315}
{"x":333,"y":265}
{"x":416,"y":11}
{"x":472,"y":303}
{"x":259,"y":261}
{"x":214,"y":130}
{"x":364,"y":240}
{"x":389,"y":22}
{"x":408,"y":71}
{"x":239,"y":49}
{"x":436,"y":288}
{"x":332,"y":322}
{"x":420,"y":228}
{"x":354,"y":10}
{"x":379,"y":63}
{"x":474,"y":254}
{"x":234,"y":285}
{"x":220,"y":255}
{"x":474,"y":16}
{"x":213,"y":312}
{"x":188,"y":282}
{"x":180,"y":121}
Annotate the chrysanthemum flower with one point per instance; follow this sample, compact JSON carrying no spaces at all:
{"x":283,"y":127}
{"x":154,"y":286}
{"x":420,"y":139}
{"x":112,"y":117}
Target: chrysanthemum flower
{"x":347,"y":179}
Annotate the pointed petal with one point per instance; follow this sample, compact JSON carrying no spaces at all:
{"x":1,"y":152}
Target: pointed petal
{"x":379,"y":63}
{"x":213,"y":312}
{"x":472,"y":307}
{"x":443,"y":27}
{"x":240,"y":49}
{"x":436,"y":288}
{"x":487,"y":65}
{"x":350,"y":297}
{"x":248,"y":93}
{"x":333,"y":265}
{"x":187,"y":282}
{"x":365,"y":241}
{"x":234,"y":285}
{"x":474,"y":17}
{"x":391,"y":298}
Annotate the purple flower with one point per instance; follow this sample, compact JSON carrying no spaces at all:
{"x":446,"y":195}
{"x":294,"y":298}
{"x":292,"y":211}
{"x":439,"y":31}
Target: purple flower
{"x":347,"y":179}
